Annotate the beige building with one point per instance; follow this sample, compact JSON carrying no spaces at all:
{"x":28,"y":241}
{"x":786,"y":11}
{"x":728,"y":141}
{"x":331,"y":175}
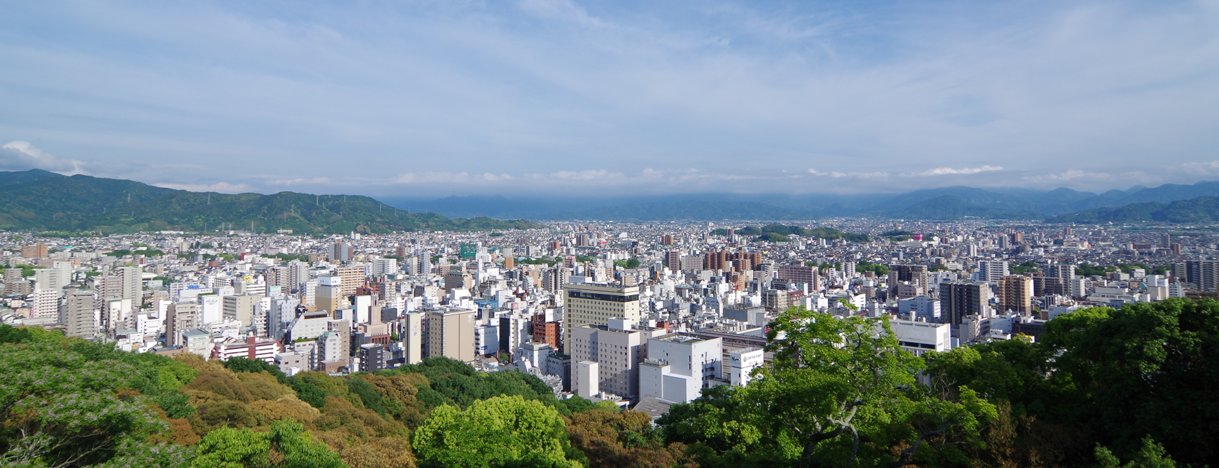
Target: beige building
{"x":352,"y":278}
{"x":596,"y":304}
{"x":450,"y":333}
{"x":1016,"y":294}
{"x":180,"y":317}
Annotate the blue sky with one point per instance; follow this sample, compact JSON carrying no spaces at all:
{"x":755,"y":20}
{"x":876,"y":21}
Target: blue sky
{"x":612,"y":97}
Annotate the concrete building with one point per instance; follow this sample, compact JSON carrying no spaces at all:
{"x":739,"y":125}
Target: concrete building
{"x":919,"y":306}
{"x":958,"y":300}
{"x":618,"y":348}
{"x":412,"y":337}
{"x":920,"y":337}
{"x":678,"y":367}
{"x":596,"y":304}
{"x":1016,"y":294}
{"x":450,"y":333}
{"x":79,"y":314}
{"x":992,"y":271}
{"x":329,"y":294}
{"x":240,"y":308}
{"x":250,"y":348}
{"x":179,"y":317}
{"x":372,"y":357}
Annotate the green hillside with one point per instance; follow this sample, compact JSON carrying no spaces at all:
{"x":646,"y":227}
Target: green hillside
{"x":84,"y":203}
{"x":954,"y":207}
{"x":1194,"y":210}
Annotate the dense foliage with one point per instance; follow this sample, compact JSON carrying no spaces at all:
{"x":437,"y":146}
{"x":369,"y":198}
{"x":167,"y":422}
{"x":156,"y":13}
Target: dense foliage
{"x":84,"y":203}
{"x":1101,"y":376}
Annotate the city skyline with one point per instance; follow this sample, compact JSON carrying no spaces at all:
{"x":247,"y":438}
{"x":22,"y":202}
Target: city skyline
{"x":541,"y":97}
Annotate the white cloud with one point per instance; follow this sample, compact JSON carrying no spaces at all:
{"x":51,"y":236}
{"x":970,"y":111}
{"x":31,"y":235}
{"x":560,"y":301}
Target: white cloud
{"x":21,"y":156}
{"x":853,"y":175}
{"x":222,"y":187}
{"x":963,"y":170}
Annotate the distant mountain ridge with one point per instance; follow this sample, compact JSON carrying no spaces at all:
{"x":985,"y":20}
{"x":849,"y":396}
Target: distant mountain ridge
{"x":40,"y":200}
{"x":945,"y":203}
{"x":1194,"y":210}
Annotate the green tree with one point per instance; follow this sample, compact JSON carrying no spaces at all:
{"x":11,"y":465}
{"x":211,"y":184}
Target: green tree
{"x":839,"y":391}
{"x":59,"y":409}
{"x":501,"y":431}
{"x":286,"y":445}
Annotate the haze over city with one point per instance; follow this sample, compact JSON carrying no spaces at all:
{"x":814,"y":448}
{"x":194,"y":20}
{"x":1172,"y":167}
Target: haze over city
{"x":549,"y":96}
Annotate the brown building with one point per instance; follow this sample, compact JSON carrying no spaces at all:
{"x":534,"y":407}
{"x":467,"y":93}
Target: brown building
{"x":1016,"y":294}
{"x":34,"y":251}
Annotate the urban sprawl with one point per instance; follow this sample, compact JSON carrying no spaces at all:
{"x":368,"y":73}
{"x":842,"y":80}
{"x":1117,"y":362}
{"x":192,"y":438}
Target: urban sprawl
{"x":645,"y":315}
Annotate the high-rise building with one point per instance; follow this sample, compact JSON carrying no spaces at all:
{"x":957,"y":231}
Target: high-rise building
{"x":79,"y":314}
{"x":450,"y":333}
{"x":803,"y":274}
{"x":991,"y":271}
{"x":673,"y":260}
{"x":353,"y":278}
{"x":958,"y":300}
{"x":133,"y":286}
{"x":1016,"y":294}
{"x":328,"y":295}
{"x":45,"y":304}
{"x":914,"y":274}
{"x":666,"y":239}
{"x":179,"y":317}
{"x":412,"y":337}
{"x":240,"y":308}
{"x":593,"y":304}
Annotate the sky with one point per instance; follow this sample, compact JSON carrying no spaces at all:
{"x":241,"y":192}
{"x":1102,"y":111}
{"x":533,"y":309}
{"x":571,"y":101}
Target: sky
{"x":535,"y":97}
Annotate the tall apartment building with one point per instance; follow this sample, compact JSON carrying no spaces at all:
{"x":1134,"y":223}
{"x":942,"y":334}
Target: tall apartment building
{"x":914,"y":274}
{"x":412,"y":337}
{"x":179,"y":317}
{"x":79,"y":314}
{"x":240,"y":308}
{"x":298,"y":274}
{"x":596,"y":304}
{"x":958,"y":300}
{"x":1016,"y":294}
{"x":1203,"y":274}
{"x":673,"y":260}
{"x":352,"y":278}
{"x":328,"y":295}
{"x":450,"y":333}
{"x":133,"y":286}
{"x":991,"y":271}
{"x":1065,"y":272}
{"x":45,"y":304}
{"x":804,"y":274}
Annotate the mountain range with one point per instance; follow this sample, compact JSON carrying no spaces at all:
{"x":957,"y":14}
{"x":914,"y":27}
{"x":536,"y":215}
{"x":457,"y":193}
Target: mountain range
{"x":946,"y":203}
{"x":46,"y":201}
{"x":41,"y":200}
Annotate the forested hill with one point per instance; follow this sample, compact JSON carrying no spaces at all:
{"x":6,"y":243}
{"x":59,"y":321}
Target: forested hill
{"x":1194,"y":210}
{"x":40,"y":200}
